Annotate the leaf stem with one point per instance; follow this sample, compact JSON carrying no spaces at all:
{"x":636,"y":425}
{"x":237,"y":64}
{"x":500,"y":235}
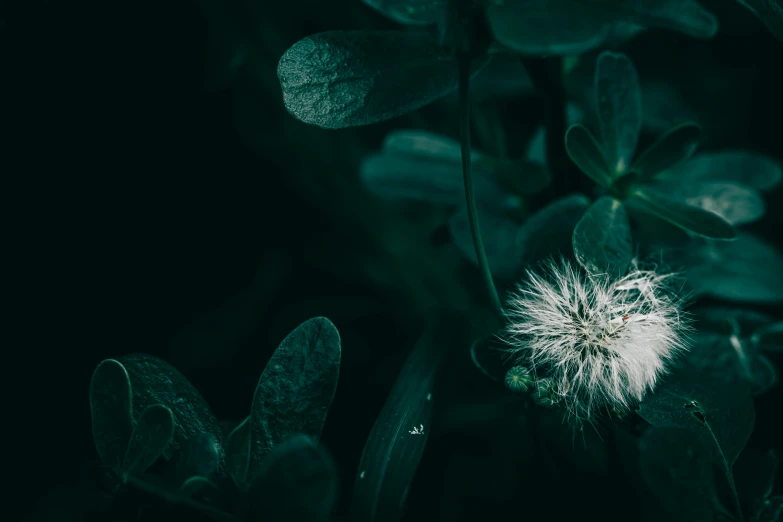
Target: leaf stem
{"x":464,"y":131}
{"x":729,"y":473}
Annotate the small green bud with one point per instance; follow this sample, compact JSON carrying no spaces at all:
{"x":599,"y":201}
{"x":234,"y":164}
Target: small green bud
{"x":518,"y":379}
{"x":543,"y":393}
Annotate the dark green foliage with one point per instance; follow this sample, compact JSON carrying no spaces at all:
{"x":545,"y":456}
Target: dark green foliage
{"x":346,"y":78}
{"x":200,"y":456}
{"x":602,"y":238}
{"x":585,"y":151}
{"x":676,"y":467}
{"x":152,"y":434}
{"x":110,"y":408}
{"x":238,"y":454}
{"x":296,"y":388}
{"x":410,"y":11}
{"x":396,"y":443}
{"x":671,"y":149}
{"x":154,"y":381}
{"x":770,"y":12}
{"x":755,"y":472}
{"x":297,"y":482}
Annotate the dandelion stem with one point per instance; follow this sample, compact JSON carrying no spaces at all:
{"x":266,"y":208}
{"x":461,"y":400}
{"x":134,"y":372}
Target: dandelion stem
{"x":464,"y":131}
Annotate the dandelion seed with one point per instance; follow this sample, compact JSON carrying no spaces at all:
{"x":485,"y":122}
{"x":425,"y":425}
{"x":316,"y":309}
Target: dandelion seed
{"x":594,"y":343}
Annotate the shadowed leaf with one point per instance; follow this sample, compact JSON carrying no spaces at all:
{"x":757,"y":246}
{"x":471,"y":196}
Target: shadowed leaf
{"x":672,"y":148}
{"x":200,"y":456}
{"x":110,"y":408}
{"x":692,"y":219}
{"x":770,"y":12}
{"x":685,"y":16}
{"x":602,"y":238}
{"x":619,"y":102}
{"x":412,"y":12}
{"x":549,"y":232}
{"x":296,"y":388}
{"x":238,"y":454}
{"x":734,"y":203}
{"x":769,"y":338}
{"x":500,"y":235}
{"x":747,"y":168}
{"x":586,"y":153}
{"x":153,"y":433}
{"x":343,"y":79}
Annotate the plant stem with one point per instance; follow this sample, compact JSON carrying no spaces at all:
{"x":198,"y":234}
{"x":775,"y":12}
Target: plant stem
{"x":470,"y":197}
{"x":728,"y":472}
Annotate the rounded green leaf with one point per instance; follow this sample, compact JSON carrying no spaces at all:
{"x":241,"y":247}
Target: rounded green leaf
{"x":153,"y":433}
{"x":747,"y":168}
{"x":692,"y":219}
{"x":619,"y":102}
{"x":685,"y":16}
{"x":154,"y":381}
{"x":343,"y":79}
{"x":671,"y":149}
{"x":745,"y":270}
{"x":555,"y":27}
{"x":296,"y":388}
{"x":721,"y":416}
{"x":297,"y":481}
{"x":413,"y":12}
{"x":675,"y":466}
{"x":602,"y":238}
{"x":734,"y":203}
{"x":549,"y":232}
{"x":420,"y":166}
{"x":587,"y":154}
{"x":238,"y":454}
{"x":111,"y":410}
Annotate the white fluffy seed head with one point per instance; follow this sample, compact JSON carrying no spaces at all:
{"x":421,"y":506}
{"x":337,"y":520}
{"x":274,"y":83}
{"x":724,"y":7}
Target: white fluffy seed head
{"x":600,"y":342}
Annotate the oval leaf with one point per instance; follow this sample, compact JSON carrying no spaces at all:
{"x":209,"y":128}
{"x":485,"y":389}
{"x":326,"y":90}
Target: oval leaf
{"x":412,"y":12}
{"x":154,"y":381}
{"x":555,"y":27}
{"x":746,"y":168}
{"x":153,"y":433}
{"x":296,"y":482}
{"x":736,"y":204}
{"x":111,"y":411}
{"x":671,"y":149}
{"x":343,"y":79}
{"x":692,"y":219}
{"x":721,"y":416}
{"x":745,"y":270}
{"x":200,"y":456}
{"x":675,"y":465}
{"x":602,"y":238}
{"x":685,"y":16}
{"x":296,"y":388}
{"x":398,"y":437}
{"x":619,"y":100}
{"x":238,"y":454}
{"x":586,"y":153}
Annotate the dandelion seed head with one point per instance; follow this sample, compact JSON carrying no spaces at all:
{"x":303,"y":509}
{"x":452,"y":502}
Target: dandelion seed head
{"x":598,"y":342}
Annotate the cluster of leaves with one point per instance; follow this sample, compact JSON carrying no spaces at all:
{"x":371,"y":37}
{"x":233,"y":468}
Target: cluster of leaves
{"x":144,"y":412}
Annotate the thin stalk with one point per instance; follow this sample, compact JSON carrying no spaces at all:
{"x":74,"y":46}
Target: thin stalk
{"x":729,"y":474}
{"x":470,"y":197}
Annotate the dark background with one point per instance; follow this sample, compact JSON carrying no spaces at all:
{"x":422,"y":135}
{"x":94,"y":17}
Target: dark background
{"x":138,"y":201}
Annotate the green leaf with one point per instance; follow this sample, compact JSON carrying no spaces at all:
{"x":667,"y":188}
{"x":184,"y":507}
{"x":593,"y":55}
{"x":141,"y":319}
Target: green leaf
{"x":417,"y":165}
{"x":296,"y":388}
{"x":111,"y":411}
{"x":396,"y":443}
{"x":733,"y":360}
{"x":500,"y":233}
{"x":199,"y":456}
{"x":555,"y":27}
{"x":587,"y":154}
{"x":619,"y":100}
{"x":745,"y":270}
{"x":413,"y":12}
{"x":194,"y":485}
{"x":602,"y":238}
{"x":770,"y":12}
{"x":769,"y":338}
{"x":549,"y":232}
{"x":747,"y":168}
{"x":153,"y":433}
{"x":154,"y":381}
{"x":721,"y":416}
{"x":671,"y":149}
{"x":238,"y":454}
{"x":297,"y":482}
{"x":685,"y":16}
{"x":730,"y":320}
{"x":692,"y":219}
{"x":736,"y":204}
{"x":675,"y":465}
{"x":343,"y":79}
{"x":536,"y":148}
